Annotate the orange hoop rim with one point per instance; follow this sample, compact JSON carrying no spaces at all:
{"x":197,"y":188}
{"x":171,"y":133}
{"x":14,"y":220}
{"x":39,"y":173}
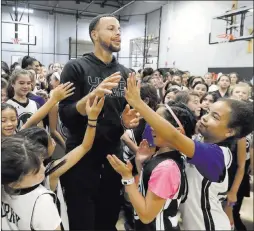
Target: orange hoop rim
{"x":226,"y":36}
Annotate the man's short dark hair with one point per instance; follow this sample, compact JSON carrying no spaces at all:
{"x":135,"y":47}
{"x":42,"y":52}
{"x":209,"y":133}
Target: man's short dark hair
{"x":95,"y":21}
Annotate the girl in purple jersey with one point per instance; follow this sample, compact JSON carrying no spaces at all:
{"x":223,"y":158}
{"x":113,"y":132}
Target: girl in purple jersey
{"x":226,"y":120}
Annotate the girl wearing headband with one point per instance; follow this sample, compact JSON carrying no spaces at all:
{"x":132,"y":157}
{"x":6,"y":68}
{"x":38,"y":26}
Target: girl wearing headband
{"x":208,"y":162}
{"x":156,"y":204}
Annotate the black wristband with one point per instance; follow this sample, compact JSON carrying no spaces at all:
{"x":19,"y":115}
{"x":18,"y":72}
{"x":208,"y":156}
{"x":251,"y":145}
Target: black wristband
{"x":92,"y":120}
{"x":92,"y":126}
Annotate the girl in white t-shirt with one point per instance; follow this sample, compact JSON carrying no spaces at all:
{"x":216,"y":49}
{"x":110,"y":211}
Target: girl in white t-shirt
{"x":26,"y":204}
{"x":20,"y":86}
{"x":9,"y":113}
{"x":56,"y":168}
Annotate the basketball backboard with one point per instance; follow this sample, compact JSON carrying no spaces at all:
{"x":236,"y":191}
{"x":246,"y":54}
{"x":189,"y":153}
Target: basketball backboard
{"x":232,"y":26}
{"x":23,"y":31}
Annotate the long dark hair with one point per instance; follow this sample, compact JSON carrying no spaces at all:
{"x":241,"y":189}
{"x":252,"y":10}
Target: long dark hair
{"x":19,"y":157}
{"x":185,"y":116}
{"x":26,"y":61}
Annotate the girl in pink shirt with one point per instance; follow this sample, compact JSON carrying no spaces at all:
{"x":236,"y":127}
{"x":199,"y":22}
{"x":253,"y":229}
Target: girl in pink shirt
{"x":162,"y":184}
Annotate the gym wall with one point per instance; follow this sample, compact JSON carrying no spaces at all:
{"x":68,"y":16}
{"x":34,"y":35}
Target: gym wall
{"x":185,"y":27}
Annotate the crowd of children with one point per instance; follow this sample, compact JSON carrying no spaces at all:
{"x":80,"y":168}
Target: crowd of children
{"x":191,"y":152}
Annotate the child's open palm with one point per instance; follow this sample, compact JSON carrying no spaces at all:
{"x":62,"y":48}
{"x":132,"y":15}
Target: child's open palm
{"x":62,"y":91}
{"x":94,"y":110}
{"x":132,"y":92}
{"x":144,"y":151}
{"x":125,"y":170}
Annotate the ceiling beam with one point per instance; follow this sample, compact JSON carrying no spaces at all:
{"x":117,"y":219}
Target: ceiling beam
{"x":98,"y":3}
{"x":38,"y":6}
{"x":50,"y":10}
{"x":84,"y":10}
{"x":121,"y":8}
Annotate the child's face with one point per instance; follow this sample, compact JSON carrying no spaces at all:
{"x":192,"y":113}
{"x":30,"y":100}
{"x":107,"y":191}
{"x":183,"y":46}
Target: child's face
{"x":224,"y":82}
{"x":57,"y":67}
{"x":36,"y":67}
{"x":241,"y":93}
{"x":208,"y":79}
{"x":177,"y":79}
{"x":200,"y":89}
{"x":4,"y":97}
{"x":184,"y":78}
{"x":194,"y":105}
{"x":44,"y":71}
{"x":233,"y":79}
{"x":9,"y":122}
{"x":22,"y":85}
{"x":207,"y":101}
{"x":31,"y":179}
{"x":54,"y":82}
{"x":170,"y":97}
{"x":214,"y":125}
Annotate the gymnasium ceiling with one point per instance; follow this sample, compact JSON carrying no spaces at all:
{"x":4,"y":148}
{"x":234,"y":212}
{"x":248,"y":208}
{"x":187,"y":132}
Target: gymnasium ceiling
{"x":89,"y":7}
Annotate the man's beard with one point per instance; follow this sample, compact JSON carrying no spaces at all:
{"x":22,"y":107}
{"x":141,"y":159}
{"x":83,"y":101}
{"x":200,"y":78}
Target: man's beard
{"x":109,"y":47}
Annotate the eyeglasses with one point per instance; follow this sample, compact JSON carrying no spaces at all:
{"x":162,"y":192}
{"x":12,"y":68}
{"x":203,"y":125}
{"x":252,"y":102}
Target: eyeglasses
{"x":176,"y":119}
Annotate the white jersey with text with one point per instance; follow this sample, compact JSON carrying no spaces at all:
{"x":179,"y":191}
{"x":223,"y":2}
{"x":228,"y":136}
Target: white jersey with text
{"x":24,"y":113}
{"x":203,"y":208}
{"x":35,"y":210}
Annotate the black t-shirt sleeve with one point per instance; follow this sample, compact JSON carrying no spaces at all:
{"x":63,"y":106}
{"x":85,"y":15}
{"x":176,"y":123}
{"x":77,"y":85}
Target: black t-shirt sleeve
{"x":69,"y":115}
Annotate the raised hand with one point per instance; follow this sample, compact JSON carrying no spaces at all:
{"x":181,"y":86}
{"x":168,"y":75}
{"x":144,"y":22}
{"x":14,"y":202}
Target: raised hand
{"x":62,"y":91}
{"x":144,"y":151}
{"x":94,"y":110}
{"x":132,"y":92}
{"x":107,"y":85}
{"x":130,"y":117}
{"x":125,"y":170}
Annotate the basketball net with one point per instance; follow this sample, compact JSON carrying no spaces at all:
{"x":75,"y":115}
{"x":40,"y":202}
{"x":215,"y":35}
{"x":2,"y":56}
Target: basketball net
{"x":16,"y":42}
{"x":224,"y":38}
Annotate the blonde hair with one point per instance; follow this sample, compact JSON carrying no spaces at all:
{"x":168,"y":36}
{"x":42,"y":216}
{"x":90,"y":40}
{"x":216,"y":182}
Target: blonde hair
{"x":241,"y":85}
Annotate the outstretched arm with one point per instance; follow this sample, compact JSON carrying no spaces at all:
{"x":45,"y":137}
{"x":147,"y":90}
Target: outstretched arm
{"x":208,"y":158}
{"x":61,"y":92}
{"x":73,"y":109}
{"x":53,"y":120}
{"x":76,"y":154}
{"x":146,"y":207}
{"x":176,"y":139}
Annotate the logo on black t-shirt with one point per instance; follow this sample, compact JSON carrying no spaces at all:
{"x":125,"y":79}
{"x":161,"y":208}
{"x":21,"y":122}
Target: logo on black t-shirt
{"x":116,"y":92}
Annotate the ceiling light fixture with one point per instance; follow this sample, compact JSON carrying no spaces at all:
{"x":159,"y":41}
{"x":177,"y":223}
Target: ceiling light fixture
{"x":21,"y":10}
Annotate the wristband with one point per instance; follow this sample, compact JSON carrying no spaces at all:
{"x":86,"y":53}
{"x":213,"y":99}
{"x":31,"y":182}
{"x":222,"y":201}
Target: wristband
{"x":128,"y":182}
{"x":92,"y":126}
{"x":92,"y":120}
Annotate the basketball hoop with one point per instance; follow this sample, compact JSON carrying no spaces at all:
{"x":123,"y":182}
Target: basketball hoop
{"x":223,"y":38}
